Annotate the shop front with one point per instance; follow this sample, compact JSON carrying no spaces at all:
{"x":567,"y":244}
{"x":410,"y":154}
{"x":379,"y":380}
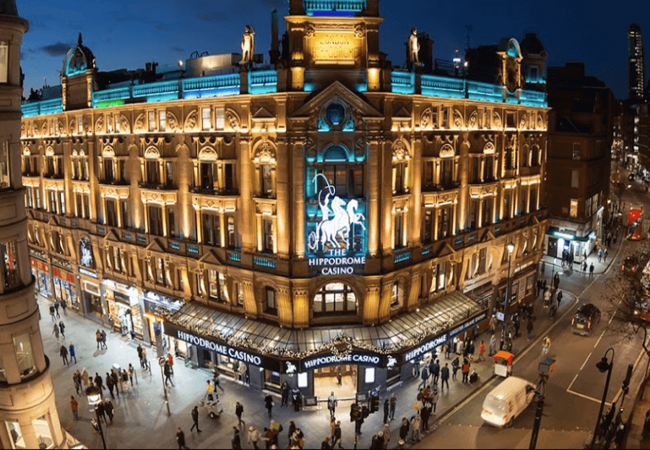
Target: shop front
{"x":156,"y":307}
{"x":65,"y":286}
{"x":91,"y":296}
{"x":124,"y":307}
{"x":41,"y":273}
{"x":563,"y":243}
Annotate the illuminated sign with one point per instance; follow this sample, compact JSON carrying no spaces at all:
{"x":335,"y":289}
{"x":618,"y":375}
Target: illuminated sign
{"x":467,"y":325}
{"x":568,"y":237}
{"x":219,"y":348}
{"x":334,"y":236}
{"x":335,"y":48}
{"x":425,"y":348}
{"x":362,"y":358}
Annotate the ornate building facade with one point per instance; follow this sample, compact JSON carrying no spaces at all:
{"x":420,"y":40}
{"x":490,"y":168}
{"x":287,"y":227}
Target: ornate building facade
{"x":28,"y":413}
{"x":277,"y":223}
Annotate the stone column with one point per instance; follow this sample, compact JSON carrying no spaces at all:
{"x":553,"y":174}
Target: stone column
{"x":463,"y":195}
{"x":373,"y":198}
{"x":250,"y":306}
{"x":246,"y":215}
{"x":386,"y":299}
{"x":301,"y":302}
{"x":371,"y":304}
{"x":297,"y":228}
{"x":282,"y":180}
{"x":416,"y":197}
{"x":285,"y":308}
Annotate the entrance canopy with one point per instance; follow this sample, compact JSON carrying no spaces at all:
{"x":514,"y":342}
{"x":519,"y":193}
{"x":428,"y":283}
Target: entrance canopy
{"x":405,"y":333}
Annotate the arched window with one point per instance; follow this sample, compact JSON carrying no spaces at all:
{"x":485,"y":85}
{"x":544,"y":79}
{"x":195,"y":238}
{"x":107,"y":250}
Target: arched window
{"x":335,"y":298}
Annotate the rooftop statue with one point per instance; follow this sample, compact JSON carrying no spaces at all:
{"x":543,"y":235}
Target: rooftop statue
{"x":414,"y":47}
{"x":248,"y":45}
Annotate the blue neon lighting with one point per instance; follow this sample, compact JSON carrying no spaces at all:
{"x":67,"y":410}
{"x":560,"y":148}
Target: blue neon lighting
{"x":331,"y":14}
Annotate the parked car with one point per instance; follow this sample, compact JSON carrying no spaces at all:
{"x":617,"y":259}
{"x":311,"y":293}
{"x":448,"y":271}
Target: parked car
{"x":507,"y":401}
{"x":585,"y":319}
{"x":630,"y":265}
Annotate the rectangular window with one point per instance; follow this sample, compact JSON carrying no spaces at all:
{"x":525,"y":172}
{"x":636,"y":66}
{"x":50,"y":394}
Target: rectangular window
{"x":488,"y":169}
{"x":160,"y":271}
{"x":155,"y":221}
{"x":111,"y":213}
{"x":447,"y":173}
{"x":444,"y":223}
{"x":476,"y":165}
{"x":124,"y":210}
{"x":206,"y":119}
{"x":153,"y":172}
{"x":213,"y":285}
{"x":4,"y":62}
{"x":266,"y":180}
{"x":473,"y":215}
{"x":427,"y":175}
{"x":14,"y":430}
{"x":171,"y":223}
{"x":487,"y":212}
{"x":576,"y":151}
{"x":482,"y":261}
{"x":427,"y":228}
{"x":208,"y":172}
{"x":229,"y":178}
{"x":9,"y":261}
{"x":53,"y":205}
{"x":211,"y":231}
{"x":575,"y":179}
{"x":109,"y":174}
{"x":152,"y":121}
{"x":574,"y":208}
{"x":162,"y":120}
{"x":170,"y":173}
{"x":43,"y":432}
{"x":24,"y":355}
{"x":87,"y":214}
{"x":506,"y":205}
{"x":271,"y":301}
{"x":232,"y":242}
{"x":267,"y":224}
{"x":399,"y":178}
{"x":4,"y":159}
{"x":533,"y":74}
{"x":399,"y":231}
{"x":220,"y":116}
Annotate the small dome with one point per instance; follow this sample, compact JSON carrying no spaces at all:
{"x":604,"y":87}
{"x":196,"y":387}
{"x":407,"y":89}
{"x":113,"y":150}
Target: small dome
{"x":531,"y":45}
{"x":78,"y":60}
{"x":8,"y":7}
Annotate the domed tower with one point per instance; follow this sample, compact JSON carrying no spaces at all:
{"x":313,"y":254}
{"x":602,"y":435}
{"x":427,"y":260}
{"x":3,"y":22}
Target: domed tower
{"x":78,"y":77}
{"x":28,"y":416}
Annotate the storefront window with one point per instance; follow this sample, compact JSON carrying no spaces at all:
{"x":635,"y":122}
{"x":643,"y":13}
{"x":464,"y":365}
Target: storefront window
{"x":4,"y":161}
{"x":13,"y":428}
{"x":370,"y":375}
{"x":335,"y":298}
{"x":303,"y":380}
{"x":24,"y":355}
{"x":43,"y":432}
{"x":9,"y":261}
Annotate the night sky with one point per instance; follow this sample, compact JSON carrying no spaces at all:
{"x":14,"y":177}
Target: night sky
{"x":127,"y":34}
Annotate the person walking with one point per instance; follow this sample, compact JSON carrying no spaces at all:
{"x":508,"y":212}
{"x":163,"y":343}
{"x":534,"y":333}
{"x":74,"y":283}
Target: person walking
{"x":170,"y":361}
{"x":180,"y":438}
{"x":387,"y":435}
{"x":337,"y":435}
{"x":546,"y":345}
{"x":110,"y":384}
{"x":55,"y":331}
{"x":435,"y":371}
{"x":236,"y":439}
{"x":100,"y":412}
{"x":444,"y":377}
{"x":253,"y":436}
{"x":64,"y":354}
{"x":98,"y":337}
{"x":529,"y":328}
{"x":493,"y":345}
{"x":239,"y":410}
{"x":466,"y":367}
{"x":268,"y":404}
{"x":167,"y":370}
{"x":284,"y":389}
{"x":434,"y":399}
{"x":209,"y":393}
{"x":130,"y":372}
{"x":386,"y":410}
{"x":103,"y":333}
{"x":144,"y":361}
{"x":73,"y":352}
{"x":556,"y":281}
{"x":62,"y":328}
{"x":559,"y":298}
{"x":393,"y":405}
{"x":64,"y":307}
{"x":426,"y":414}
{"x":425,"y":376}
{"x":74,"y":406}
{"x":217,"y":381}
{"x":56,"y":309}
{"x":99,"y":382}
{"x":339,"y":375}
{"x":76,"y":379}
{"x":493,"y":323}
{"x":481,"y":352}
{"x":86,"y":378}
{"x":195,"y":419}
{"x":455,"y":364}
{"x":332,"y":403}
{"x":591,"y":270}
{"x":53,"y":313}
{"x":404,"y":429}
{"x":139,"y":350}
{"x":605,"y":254}
{"x":108,"y":407}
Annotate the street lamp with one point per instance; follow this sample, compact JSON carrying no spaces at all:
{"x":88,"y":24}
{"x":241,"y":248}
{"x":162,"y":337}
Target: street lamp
{"x":508,"y":344}
{"x":604,"y":365}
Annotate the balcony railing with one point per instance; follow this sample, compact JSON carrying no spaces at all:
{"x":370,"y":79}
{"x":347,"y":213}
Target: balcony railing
{"x":334,"y":5}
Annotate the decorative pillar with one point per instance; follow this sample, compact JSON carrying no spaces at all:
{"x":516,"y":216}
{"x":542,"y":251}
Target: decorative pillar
{"x":250,"y":307}
{"x":371,"y":304}
{"x":413,"y":300}
{"x":246,"y":215}
{"x":385,"y":302}
{"x":283,"y":194}
{"x":301,"y":303}
{"x":373,"y":198}
{"x":285,"y":309}
{"x":416,"y":203}
{"x":297,"y":231}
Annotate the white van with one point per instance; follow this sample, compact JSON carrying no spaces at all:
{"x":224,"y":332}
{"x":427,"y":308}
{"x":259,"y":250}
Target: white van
{"x":507,"y":401}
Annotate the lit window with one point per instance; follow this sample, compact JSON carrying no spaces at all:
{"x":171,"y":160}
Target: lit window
{"x":24,"y":356}
{"x":396,"y":296}
{"x":574,"y":208}
{"x":162,"y":120}
{"x":8,"y":259}
{"x":152,"y":121}
{"x":4,"y":165}
{"x":271,"y":301}
{"x":13,"y":427}
{"x":43,"y":432}
{"x":335,"y":298}
{"x":220,"y":114}
{"x":4,"y":62}
{"x":206,"y":119}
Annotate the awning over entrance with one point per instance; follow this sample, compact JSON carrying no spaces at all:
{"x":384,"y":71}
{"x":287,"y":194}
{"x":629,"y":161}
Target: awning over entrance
{"x":391,"y":339}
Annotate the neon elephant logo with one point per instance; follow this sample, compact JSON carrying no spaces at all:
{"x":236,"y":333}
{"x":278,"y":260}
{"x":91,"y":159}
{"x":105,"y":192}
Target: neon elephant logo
{"x":338,"y":218}
{"x":291,"y":368}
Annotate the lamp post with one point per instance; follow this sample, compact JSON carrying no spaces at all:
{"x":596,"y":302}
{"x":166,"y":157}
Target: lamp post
{"x":603,"y":366}
{"x":506,"y":302}
{"x":99,"y":427}
{"x":161,"y":362}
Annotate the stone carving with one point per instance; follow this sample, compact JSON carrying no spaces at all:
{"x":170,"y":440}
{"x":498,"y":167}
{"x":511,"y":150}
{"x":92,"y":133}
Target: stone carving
{"x":426,"y":118}
{"x":310,"y":30}
{"x":248,"y":45}
{"x":125,"y":127}
{"x":99,"y":125}
{"x":233,"y":119}
{"x":172,"y":122}
{"x":191,"y":121}
{"x":472,"y":122}
{"x":458,"y":119}
{"x":310,"y":148}
{"x":86,"y":125}
{"x":540,"y":122}
{"x":360,"y":30}
{"x":523,"y":123}
{"x":400,"y":152}
{"x":44,"y":129}
{"x":447,"y":151}
{"x":359,"y":148}
{"x":72,"y":126}
{"x":496,"y":120}
{"x":61,"y":128}
{"x":138,"y":126}
{"x":151,"y":153}
{"x":489,"y":149}
{"x":414,"y":47}
{"x":108,"y":152}
{"x":208,"y":154}
{"x":264,"y":152}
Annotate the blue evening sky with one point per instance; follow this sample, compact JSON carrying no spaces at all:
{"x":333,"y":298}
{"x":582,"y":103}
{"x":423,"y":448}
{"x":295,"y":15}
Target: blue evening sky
{"x":127,"y":34}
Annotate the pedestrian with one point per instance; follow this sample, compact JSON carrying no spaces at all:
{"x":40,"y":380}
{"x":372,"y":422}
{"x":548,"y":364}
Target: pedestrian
{"x":556,"y":281}
{"x":99,"y":382}
{"x":108,"y":407}
{"x":404,"y":429}
{"x":180,"y":438}
{"x":64,"y":354}
{"x":546,"y":345}
{"x":170,"y":361}
{"x":435,"y":371}
{"x":110,"y":383}
{"x":236,"y":439}
{"x":104,"y":340}
{"x":332,"y":403}
{"x":339,"y":375}
{"x":100,"y":412}
{"x":53,"y":313}
{"x":386,"y":410}
{"x":209,"y":393}
{"x":337,"y":435}
{"x":559,"y":299}
{"x":416,"y":426}
{"x":73,"y":352}
{"x":268,"y":438}
{"x":117,"y":376}
{"x":424,"y":375}
{"x":600,"y":255}
{"x":466,"y":367}
{"x":455,"y":365}
{"x":64,"y":307}
{"x":130,"y":372}
{"x":76,"y":379}
{"x":167,"y":370}
{"x":55,"y":331}
{"x":325,"y":444}
{"x":584,"y":266}
{"x":292,"y":428}
{"x":145,"y":363}
{"x":217,"y":381}
{"x":529,"y":327}
{"x":481,"y":351}
{"x":284,"y":392}
{"x":493,"y":323}
{"x":268,"y":404}
{"x":98,"y":337}
{"x":493,"y":345}
{"x":195,"y":419}
{"x":393,"y":405}
{"x":426,"y":414}
{"x":62,"y":328}
{"x":591,"y":270}
{"x":86,"y":378}
{"x":605,"y":255}
{"x":444,"y":376}
{"x":74,"y":405}
{"x":253,"y":436}
{"x":139,"y":349}
{"x":239,"y":410}
{"x":56,"y":308}
{"x":434,"y":399}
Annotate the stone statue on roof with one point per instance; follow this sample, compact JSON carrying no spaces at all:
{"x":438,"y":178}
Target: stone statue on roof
{"x":248,"y":45}
{"x":414,"y":47}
